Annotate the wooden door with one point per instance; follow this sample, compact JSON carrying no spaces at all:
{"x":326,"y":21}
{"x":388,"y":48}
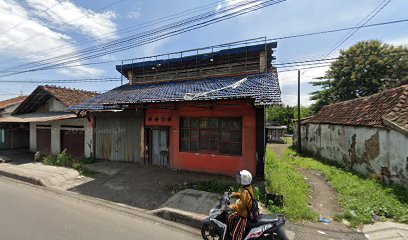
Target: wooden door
{"x":73,"y":141}
{"x":44,"y":141}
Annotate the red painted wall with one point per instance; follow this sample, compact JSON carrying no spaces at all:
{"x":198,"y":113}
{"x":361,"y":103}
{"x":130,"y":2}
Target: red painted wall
{"x":213,"y":163}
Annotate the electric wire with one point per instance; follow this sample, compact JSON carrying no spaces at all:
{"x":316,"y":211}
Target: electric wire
{"x":105,"y":49}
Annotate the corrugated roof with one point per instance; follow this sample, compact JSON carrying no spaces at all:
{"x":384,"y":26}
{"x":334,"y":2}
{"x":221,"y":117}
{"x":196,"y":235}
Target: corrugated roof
{"x":41,"y":94}
{"x":38,"y":117}
{"x":261,"y":87}
{"x":392,"y":105}
{"x":11,"y":101}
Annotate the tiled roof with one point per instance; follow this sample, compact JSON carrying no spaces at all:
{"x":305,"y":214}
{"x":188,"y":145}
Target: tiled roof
{"x":41,"y":94}
{"x":263,"y":88}
{"x":11,"y":101}
{"x":390,"y":105}
{"x":68,"y":96}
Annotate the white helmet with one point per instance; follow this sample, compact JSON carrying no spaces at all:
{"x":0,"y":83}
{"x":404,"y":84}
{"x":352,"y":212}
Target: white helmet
{"x":244,"y":177}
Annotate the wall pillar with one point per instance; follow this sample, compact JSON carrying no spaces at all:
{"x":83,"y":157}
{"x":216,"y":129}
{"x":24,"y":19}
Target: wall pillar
{"x":260,"y":142}
{"x":33,"y":137}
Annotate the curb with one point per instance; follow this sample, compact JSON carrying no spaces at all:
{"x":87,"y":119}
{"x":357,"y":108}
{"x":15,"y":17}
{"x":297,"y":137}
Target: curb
{"x":187,"y":218}
{"x":38,"y":182}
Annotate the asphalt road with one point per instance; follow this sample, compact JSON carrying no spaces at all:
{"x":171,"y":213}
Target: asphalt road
{"x":28,"y":212}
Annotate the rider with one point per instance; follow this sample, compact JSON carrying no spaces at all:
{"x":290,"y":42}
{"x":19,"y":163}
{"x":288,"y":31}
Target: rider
{"x":238,"y":219}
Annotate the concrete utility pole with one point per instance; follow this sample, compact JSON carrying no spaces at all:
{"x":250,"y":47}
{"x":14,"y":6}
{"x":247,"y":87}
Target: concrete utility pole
{"x":121,"y":74}
{"x":299,"y":135}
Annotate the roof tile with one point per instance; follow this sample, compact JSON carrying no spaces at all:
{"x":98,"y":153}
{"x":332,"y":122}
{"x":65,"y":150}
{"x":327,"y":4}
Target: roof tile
{"x":12,"y":101}
{"x":392,"y":104}
{"x":263,"y":88}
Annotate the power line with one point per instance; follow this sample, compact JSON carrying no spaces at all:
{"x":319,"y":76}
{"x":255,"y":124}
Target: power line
{"x":363,"y":22}
{"x":317,"y":63}
{"x":149,"y":36}
{"x":81,"y":80}
{"x":125,"y":30}
{"x":123,"y":40}
{"x":268,"y":40}
{"x":358,"y":27}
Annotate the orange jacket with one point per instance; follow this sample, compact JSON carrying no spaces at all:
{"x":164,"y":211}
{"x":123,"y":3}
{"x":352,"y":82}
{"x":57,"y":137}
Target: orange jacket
{"x":244,"y":202}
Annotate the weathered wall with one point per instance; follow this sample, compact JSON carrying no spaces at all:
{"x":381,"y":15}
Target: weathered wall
{"x":52,"y":105}
{"x":56,"y":127}
{"x":377,"y":152}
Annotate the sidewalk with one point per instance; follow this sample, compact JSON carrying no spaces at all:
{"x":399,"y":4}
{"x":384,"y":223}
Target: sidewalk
{"x":386,"y":230}
{"x":189,"y":207}
{"x":20,"y":166}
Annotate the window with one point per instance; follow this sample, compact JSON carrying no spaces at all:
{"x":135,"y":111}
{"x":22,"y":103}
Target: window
{"x":211,"y":135}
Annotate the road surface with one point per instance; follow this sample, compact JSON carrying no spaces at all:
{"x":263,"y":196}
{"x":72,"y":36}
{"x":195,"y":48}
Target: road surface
{"x":28,"y":212}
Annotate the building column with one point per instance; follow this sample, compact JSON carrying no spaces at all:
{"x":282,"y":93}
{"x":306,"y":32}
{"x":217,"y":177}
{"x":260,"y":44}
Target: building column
{"x":260,"y":142}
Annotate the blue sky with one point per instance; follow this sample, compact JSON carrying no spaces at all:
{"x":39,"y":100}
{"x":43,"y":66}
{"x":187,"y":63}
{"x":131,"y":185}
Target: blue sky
{"x":62,"y":24}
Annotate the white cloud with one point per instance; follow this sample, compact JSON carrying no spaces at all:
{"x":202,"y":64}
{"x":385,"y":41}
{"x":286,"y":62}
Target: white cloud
{"x":154,"y":47}
{"x":14,"y":43}
{"x":66,"y":14}
{"x":133,"y":15}
{"x":291,"y":99}
{"x":226,"y":3}
{"x":291,"y":77}
{"x":399,"y":41}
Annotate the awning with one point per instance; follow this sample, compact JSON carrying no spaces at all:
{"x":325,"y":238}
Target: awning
{"x":38,"y":117}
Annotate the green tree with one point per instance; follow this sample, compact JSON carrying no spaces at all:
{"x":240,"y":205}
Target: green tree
{"x":362,"y":70}
{"x":283,"y":115}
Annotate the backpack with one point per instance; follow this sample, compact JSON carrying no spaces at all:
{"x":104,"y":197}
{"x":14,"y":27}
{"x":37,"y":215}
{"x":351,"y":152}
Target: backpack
{"x":253,"y":215}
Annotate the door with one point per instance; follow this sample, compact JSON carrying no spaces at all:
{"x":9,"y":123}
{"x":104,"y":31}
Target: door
{"x":44,"y":141}
{"x":159,"y":147}
{"x":73,"y":141}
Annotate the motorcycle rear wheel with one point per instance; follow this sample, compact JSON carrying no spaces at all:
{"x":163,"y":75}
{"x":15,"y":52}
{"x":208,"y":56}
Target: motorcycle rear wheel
{"x":209,"y":233}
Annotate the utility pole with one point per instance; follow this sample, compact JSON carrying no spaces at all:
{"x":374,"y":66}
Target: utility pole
{"x":121,"y":74}
{"x":298,"y":130}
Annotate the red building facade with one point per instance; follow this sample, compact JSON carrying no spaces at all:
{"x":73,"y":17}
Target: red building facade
{"x":203,"y":112}
{"x":210,"y":137}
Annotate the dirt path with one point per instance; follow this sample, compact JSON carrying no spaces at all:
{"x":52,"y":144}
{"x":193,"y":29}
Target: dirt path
{"x":323,"y":200}
{"x":279,"y":148}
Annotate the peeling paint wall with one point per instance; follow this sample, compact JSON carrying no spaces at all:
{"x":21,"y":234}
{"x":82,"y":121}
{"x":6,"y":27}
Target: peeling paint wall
{"x":378,"y":152}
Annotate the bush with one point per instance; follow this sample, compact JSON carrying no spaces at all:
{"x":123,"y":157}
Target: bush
{"x":63,"y":159}
{"x":214,"y":186}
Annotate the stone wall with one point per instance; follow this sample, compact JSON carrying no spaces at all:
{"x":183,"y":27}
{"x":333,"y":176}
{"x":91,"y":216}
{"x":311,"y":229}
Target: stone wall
{"x":378,"y":152}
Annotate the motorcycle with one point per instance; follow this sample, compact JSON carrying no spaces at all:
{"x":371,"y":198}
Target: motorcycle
{"x":267,"y":227}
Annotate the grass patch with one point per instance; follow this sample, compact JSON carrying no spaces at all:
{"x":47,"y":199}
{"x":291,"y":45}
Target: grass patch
{"x":361,"y":198}
{"x":282,"y":178}
{"x":63,"y":159}
{"x":214,"y":186}
{"x":288,"y":139}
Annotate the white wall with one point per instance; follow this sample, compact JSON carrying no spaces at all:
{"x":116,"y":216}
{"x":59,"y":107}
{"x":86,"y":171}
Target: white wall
{"x":56,"y":134}
{"x":370,"y":151}
{"x":52,"y":105}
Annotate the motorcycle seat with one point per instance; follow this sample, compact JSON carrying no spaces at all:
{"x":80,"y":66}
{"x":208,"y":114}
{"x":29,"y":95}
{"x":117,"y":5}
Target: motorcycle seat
{"x":263,"y":219}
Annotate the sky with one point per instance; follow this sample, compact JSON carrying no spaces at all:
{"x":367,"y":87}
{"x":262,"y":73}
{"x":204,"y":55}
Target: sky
{"x":33,"y":30}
